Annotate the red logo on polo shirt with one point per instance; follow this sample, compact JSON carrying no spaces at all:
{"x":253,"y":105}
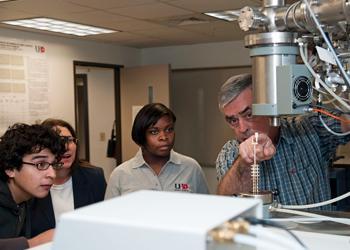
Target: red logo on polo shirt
{"x":182,"y":187}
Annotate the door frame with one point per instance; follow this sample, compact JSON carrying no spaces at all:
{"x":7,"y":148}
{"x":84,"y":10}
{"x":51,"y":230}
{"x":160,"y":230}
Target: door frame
{"x":117,"y":108}
{"x":86,"y":111}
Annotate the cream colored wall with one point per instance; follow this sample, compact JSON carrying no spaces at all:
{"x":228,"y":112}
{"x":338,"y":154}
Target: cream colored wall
{"x":61,"y":52}
{"x":206,"y":55}
{"x":134,"y":92}
{"x":213,"y":55}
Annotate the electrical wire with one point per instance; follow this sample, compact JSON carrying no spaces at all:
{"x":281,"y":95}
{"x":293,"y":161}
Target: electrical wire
{"x":341,"y":100}
{"x":338,"y":108}
{"x":243,"y":232}
{"x":308,"y":214}
{"x":327,"y":96}
{"x":329,"y":109}
{"x":255,"y":242}
{"x":330,"y":46}
{"x":256,"y":221}
{"x":316,"y":204}
{"x":302,"y":54}
{"x":292,"y":6}
{"x":297,"y":212}
{"x":330,"y":130}
{"x":282,"y":240}
{"x":324,"y":94}
{"x":309,"y":219}
{"x":331,"y":115}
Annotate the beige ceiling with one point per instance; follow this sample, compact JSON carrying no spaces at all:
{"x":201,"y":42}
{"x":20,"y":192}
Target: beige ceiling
{"x":143,"y":23}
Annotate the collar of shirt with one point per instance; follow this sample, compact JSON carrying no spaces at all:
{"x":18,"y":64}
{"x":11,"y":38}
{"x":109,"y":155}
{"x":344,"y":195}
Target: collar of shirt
{"x":139,"y":161}
{"x":288,"y":133}
{"x":285,"y":135}
{"x":6,"y":199}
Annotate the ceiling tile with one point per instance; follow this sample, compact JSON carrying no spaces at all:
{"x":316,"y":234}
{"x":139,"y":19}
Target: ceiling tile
{"x":134,"y":24}
{"x":129,"y":39}
{"x":150,"y":11}
{"x":44,"y":7}
{"x":147,"y":43}
{"x":172,"y":34}
{"x":95,"y":18}
{"x":218,"y":29}
{"x":144,"y":23}
{"x":119,"y":36}
{"x":43,"y":32}
{"x":7,"y":14}
{"x":107,"y":4}
{"x":211,"y":5}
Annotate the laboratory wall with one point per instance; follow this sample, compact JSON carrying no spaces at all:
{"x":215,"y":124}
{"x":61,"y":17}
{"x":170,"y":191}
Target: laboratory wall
{"x":201,"y":129}
{"x":61,"y":52}
{"x":139,"y":86}
{"x":213,"y":55}
{"x":195,"y":81}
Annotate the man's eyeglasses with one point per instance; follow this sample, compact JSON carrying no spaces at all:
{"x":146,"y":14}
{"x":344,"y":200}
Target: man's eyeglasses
{"x":45,"y":165}
{"x":69,"y":139}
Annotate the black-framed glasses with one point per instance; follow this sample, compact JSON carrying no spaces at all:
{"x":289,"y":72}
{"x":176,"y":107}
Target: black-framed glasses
{"x":45,"y":165}
{"x":69,"y":139}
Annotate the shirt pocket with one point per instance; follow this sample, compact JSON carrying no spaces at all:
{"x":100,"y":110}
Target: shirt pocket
{"x":303,"y":183}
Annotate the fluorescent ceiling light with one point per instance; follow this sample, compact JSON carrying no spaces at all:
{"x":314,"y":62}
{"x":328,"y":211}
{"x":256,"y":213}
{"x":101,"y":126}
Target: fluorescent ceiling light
{"x":227,"y":15}
{"x":59,"y":26}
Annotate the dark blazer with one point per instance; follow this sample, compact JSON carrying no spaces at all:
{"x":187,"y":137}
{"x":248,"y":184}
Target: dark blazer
{"x":89,"y":186}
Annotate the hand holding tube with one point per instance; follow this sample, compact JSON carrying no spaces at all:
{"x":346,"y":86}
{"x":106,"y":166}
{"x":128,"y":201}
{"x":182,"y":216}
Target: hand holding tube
{"x":265,"y":149}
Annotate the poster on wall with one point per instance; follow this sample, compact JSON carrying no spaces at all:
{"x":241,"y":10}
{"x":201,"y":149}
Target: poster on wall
{"x":23,"y":82}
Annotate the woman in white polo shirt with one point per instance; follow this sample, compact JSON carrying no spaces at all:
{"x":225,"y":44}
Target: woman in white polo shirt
{"x":156,"y":166}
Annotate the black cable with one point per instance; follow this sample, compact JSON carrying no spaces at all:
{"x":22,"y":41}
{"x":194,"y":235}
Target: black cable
{"x":255,"y":221}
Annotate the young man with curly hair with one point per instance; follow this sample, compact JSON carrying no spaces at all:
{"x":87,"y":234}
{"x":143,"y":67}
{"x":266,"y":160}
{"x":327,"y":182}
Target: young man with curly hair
{"x":30,"y":154}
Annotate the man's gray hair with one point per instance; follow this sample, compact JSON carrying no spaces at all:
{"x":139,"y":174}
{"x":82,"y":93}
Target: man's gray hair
{"x":232,"y":88}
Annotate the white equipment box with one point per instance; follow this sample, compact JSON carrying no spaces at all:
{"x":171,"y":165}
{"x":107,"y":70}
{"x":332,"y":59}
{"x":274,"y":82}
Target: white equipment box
{"x":150,"y":220}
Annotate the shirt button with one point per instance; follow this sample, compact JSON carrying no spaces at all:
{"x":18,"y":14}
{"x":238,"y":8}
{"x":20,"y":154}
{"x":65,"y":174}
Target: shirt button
{"x":293,"y":170}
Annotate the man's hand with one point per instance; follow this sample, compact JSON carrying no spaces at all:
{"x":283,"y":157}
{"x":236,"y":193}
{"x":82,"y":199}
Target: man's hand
{"x":265,"y":149}
{"x":42,"y":238}
{"x":238,"y":178}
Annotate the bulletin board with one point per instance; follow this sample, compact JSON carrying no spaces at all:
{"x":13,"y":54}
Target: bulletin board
{"x":23,"y":82}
